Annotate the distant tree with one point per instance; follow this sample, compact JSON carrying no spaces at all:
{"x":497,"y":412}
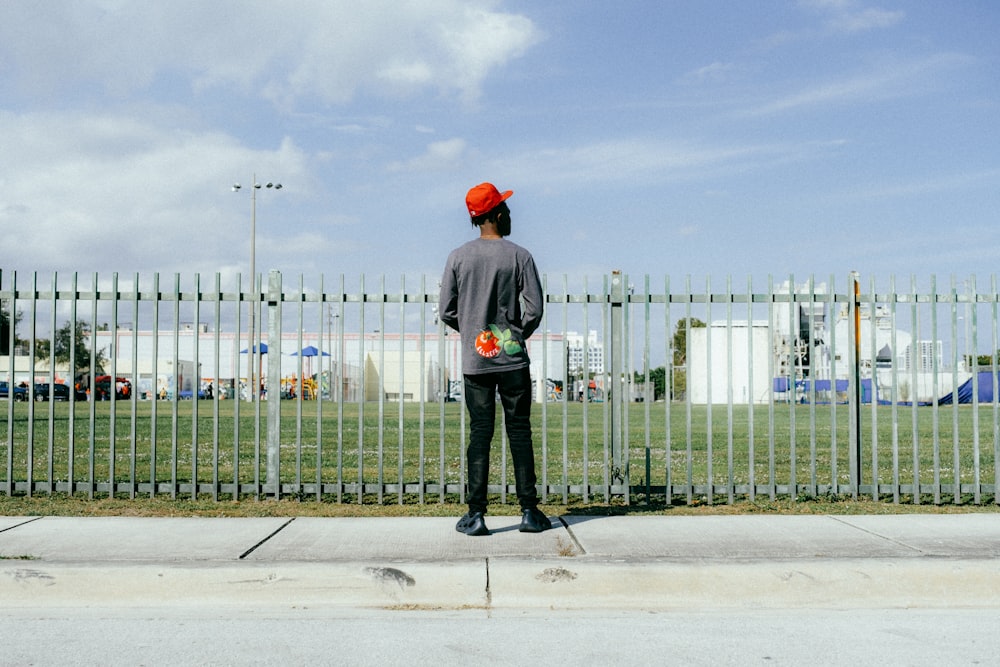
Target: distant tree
{"x":658,"y":376}
{"x":6,"y":328}
{"x":984,"y":360}
{"x":43,"y":348}
{"x":678,"y":387}
{"x":64,"y":343}
{"x":680,"y":338}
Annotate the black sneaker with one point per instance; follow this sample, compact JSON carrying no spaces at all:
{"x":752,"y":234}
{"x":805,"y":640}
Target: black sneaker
{"x":533,"y":521}
{"x":463,"y":523}
{"x":472,"y":523}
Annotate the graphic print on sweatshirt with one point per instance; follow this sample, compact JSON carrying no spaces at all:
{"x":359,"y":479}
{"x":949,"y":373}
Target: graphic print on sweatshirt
{"x":492,"y":341}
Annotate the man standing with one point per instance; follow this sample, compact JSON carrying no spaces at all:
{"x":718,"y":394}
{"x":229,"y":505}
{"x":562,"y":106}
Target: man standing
{"x":491,"y":295}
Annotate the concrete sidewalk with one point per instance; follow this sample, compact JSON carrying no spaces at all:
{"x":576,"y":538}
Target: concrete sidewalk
{"x":654,"y":562}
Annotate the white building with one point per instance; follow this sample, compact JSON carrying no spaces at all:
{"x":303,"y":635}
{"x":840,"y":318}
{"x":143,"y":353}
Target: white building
{"x":801,"y":345}
{"x":584,"y":352}
{"x":409,"y":366}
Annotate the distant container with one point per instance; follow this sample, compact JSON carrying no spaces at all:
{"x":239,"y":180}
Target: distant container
{"x":752,"y":340}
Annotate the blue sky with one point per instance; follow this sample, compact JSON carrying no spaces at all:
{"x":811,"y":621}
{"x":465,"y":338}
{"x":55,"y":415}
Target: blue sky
{"x":708,"y":138}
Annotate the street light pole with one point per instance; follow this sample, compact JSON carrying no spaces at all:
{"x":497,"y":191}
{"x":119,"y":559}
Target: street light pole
{"x":252,"y":350}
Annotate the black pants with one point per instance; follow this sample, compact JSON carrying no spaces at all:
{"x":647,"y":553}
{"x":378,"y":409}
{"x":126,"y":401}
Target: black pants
{"x":480,"y":399}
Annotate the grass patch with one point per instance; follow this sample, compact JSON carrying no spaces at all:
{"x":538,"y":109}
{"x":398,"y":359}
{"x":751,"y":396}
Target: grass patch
{"x":180,"y":449}
{"x":64,"y":505}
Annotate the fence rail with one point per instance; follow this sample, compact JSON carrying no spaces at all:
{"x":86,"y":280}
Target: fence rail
{"x":644,"y":391}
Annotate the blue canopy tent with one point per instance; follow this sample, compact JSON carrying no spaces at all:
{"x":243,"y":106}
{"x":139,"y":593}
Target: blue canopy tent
{"x":308,"y":352}
{"x":261,"y":349}
{"x":967,"y":390}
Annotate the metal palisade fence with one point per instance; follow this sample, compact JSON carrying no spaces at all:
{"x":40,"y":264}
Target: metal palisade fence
{"x":645,"y":390}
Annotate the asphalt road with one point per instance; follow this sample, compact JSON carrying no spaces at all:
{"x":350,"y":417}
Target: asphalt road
{"x":179,"y":635}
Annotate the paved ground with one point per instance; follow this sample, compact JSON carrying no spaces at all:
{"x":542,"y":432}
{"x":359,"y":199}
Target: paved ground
{"x":655,"y":563}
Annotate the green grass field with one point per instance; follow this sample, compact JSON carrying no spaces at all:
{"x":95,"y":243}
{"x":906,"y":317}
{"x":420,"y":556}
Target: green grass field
{"x":809,"y":445}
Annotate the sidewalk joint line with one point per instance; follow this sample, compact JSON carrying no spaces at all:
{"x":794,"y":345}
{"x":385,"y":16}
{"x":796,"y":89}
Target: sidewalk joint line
{"x":569,"y":531}
{"x":254,"y":547}
{"x":23,"y":523}
{"x":883,"y":537}
{"x":489,"y":593}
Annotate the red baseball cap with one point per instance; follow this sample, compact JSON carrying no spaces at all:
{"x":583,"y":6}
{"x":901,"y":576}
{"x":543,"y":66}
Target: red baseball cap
{"x":484,"y":198}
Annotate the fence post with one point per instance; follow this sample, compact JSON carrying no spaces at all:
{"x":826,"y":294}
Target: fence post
{"x":854,"y":395}
{"x":273,"y":483}
{"x":616,"y":383}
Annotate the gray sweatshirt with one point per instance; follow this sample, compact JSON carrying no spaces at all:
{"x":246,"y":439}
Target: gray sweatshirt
{"x":491,"y":295}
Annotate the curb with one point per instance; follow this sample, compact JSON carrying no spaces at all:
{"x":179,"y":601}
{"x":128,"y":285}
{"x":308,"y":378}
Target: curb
{"x":564,"y":583}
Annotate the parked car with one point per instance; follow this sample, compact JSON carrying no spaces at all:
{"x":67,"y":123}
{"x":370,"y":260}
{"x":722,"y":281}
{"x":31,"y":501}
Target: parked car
{"x":20,"y":393}
{"x":60,"y":392}
{"x":103,"y":388}
{"x":188,"y":395}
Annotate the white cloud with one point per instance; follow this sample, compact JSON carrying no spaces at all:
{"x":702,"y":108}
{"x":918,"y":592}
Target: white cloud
{"x":866,"y":19}
{"x":292,"y":248}
{"x":848,"y":16}
{"x":842,"y":17}
{"x":97,"y":191}
{"x":862,"y":87}
{"x":287,"y":52}
{"x":716,"y":72}
{"x":439,"y":155}
{"x":887,"y":80}
{"x":659,"y":160}
{"x":932,"y":185}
